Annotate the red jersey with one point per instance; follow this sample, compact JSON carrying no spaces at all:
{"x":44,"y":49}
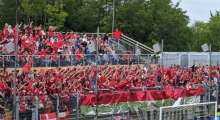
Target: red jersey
{"x":71,"y":36}
{"x":60,"y":36}
{"x":50,"y":32}
{"x":78,"y":55}
{"x":5,"y":31}
{"x":117,"y":34}
{"x":15,"y":32}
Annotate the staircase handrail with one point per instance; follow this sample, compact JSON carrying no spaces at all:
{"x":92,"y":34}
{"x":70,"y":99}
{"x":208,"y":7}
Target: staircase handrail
{"x":134,"y":41}
{"x":135,"y":44}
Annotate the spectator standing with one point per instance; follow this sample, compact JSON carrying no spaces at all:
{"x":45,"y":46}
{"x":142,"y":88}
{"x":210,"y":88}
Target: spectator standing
{"x":117,"y":35}
{"x":106,"y":38}
{"x":10,"y":32}
{"x":15,"y":29}
{"x":51,"y":31}
{"x":138,"y":53}
{"x":5,"y":30}
{"x":84,"y":39}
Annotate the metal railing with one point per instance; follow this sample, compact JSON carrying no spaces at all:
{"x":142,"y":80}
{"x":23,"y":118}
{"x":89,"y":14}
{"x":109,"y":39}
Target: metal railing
{"x":60,"y":60}
{"x":138,"y":44}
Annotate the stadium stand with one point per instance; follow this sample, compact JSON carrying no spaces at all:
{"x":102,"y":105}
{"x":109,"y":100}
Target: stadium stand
{"x":71,"y":69}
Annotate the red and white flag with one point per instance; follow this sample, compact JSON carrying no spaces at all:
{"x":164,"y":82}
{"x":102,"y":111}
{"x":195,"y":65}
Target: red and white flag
{"x":49,"y":116}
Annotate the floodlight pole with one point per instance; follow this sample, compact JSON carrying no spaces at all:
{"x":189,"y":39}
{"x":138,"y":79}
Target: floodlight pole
{"x":210,"y":56}
{"x":162,"y":63}
{"x":15,"y":69}
{"x":210,"y":53}
{"x":113,"y":16}
{"x":157,"y":75}
{"x":96,"y":57}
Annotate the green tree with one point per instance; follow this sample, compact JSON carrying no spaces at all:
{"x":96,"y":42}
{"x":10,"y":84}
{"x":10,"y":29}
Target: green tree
{"x":153,"y":19}
{"x":32,"y":10}
{"x":55,"y":13}
{"x":84,"y":15}
{"x":170,"y":24}
{"x":214,"y":28}
{"x":199,"y":30}
{"x":206,"y":33}
{"x":7,"y":12}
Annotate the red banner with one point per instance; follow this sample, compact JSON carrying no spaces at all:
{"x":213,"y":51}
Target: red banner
{"x":111,"y":98}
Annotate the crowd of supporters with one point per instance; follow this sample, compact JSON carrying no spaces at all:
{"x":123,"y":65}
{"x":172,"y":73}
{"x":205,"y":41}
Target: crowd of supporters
{"x":66,"y":82}
{"x":50,"y":48}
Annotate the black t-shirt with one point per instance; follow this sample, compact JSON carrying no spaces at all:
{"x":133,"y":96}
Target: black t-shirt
{"x":106,"y":38}
{"x":181,"y":82}
{"x":84,"y":44}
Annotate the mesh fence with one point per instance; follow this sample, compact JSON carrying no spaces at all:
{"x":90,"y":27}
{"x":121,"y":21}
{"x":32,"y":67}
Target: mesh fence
{"x":27,"y":107}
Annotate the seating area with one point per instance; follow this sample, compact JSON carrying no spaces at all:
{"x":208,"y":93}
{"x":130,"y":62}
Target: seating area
{"x":56,"y":64}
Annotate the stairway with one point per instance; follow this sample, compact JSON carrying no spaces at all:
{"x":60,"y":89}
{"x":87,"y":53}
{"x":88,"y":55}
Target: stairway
{"x":131,"y":44}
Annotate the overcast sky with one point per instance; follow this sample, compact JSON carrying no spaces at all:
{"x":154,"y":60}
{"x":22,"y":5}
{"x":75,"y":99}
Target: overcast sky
{"x":199,"y":10}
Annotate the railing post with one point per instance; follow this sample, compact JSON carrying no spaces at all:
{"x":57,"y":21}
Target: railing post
{"x":128,"y":116}
{"x":58,"y":60}
{"x":57,"y":107}
{"x":128,"y":61}
{"x":32,"y":63}
{"x":216,"y":92}
{"x":205,"y":96}
{"x":17,"y":108}
{"x":77,"y":106}
{"x":123,"y":111}
{"x":209,"y":93}
{"x":71,"y":59}
{"x":160,"y":116}
{"x":84,"y":61}
{"x":36,"y":108}
{"x":3,"y":61}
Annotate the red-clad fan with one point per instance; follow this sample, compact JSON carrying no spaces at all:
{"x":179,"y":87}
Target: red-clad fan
{"x":72,"y":37}
{"x":5,"y":30}
{"x":117,"y":34}
{"x":60,"y":36}
{"x":51,"y":31}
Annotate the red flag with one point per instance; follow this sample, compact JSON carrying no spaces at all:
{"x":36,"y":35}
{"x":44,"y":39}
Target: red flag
{"x":27,"y":67}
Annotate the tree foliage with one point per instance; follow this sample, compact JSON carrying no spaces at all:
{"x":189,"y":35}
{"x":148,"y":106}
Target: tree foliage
{"x":147,"y":21}
{"x":56,"y":15}
{"x":206,"y":33}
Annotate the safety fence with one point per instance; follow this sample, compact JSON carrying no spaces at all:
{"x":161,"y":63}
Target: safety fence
{"x":41,"y":107}
{"x":136,"y":103}
{"x":60,"y":60}
{"x":116,"y":58}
